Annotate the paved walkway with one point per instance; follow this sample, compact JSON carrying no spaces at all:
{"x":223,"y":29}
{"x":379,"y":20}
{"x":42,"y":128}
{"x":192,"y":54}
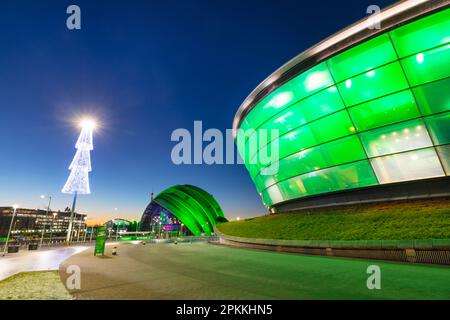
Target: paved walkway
{"x":39,"y":260}
{"x":205,"y":271}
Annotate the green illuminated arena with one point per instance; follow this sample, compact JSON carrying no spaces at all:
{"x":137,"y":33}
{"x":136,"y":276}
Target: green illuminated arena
{"x":363,"y":109}
{"x":182,"y":207}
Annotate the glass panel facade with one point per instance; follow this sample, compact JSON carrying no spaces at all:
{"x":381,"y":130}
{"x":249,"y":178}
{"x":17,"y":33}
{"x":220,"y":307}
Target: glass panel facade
{"x":383,"y":111}
{"x":373,"y":84}
{"x":353,"y":175}
{"x":316,"y":106}
{"x":300,"y":87}
{"x":396,"y":138}
{"x":428,"y":66}
{"x":433,"y":97}
{"x":413,"y":165}
{"x":439,"y":127}
{"x":325,"y":129}
{"x":329,"y":154}
{"x":369,"y":115}
{"x":423,"y":34}
{"x":444,"y":155}
{"x":362,"y":58}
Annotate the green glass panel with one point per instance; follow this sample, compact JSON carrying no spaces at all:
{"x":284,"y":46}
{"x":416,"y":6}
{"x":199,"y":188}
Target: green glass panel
{"x":347,"y":176}
{"x":363,"y":57}
{"x":422,"y":34}
{"x":427,"y":66}
{"x":302,"y":86}
{"x":433,"y":97}
{"x":266,"y":199}
{"x":329,"y":154}
{"x":444,"y":154}
{"x":383,"y":111}
{"x":396,"y":138}
{"x":439,"y":127}
{"x":373,"y":84}
{"x":331,"y":127}
{"x":256,"y":140}
{"x":316,"y":106}
{"x":412,"y":165}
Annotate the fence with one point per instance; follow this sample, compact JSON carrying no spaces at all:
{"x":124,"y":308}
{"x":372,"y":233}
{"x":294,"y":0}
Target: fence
{"x":411,"y":251}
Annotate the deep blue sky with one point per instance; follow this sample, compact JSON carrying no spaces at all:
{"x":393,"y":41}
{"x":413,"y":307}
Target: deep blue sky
{"x":143,"y":68}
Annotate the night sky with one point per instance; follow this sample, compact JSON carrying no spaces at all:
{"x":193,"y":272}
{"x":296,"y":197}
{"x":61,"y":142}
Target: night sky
{"x":143,"y":69}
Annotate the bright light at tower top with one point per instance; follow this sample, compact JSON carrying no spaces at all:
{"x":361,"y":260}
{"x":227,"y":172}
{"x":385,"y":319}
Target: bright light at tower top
{"x":88,"y":124}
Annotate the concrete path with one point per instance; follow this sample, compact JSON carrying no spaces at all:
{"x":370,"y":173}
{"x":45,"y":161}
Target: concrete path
{"x":39,"y":260}
{"x":205,"y":271}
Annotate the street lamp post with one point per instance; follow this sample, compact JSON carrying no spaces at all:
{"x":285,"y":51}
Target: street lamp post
{"x":5,"y":249}
{"x":53,"y":223}
{"x":69,"y":230}
{"x":46,"y":219}
{"x":85,"y":229}
{"x":79,"y":229}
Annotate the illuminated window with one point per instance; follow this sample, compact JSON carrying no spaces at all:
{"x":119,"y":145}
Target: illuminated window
{"x":413,"y":165}
{"x":396,"y":138}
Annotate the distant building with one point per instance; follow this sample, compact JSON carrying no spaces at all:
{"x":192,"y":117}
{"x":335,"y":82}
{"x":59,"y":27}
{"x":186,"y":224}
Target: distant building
{"x":117,"y":224}
{"x":30,"y":222}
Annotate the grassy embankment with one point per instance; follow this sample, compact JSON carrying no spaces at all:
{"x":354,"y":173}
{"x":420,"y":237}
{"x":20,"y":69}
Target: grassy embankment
{"x":419,"y":219}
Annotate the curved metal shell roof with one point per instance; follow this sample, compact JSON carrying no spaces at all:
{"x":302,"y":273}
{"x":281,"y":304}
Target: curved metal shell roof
{"x":196,"y":208}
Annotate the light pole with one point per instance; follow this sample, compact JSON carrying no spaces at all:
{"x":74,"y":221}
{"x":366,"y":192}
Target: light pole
{"x":5,"y":249}
{"x":79,"y":229}
{"x":51,"y":228}
{"x":46,"y":219}
{"x":72,"y":212}
{"x":85,"y":229}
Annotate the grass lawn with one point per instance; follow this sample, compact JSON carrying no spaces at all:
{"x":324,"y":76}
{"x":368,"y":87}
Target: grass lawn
{"x":40,"y":285}
{"x":418,"y":219}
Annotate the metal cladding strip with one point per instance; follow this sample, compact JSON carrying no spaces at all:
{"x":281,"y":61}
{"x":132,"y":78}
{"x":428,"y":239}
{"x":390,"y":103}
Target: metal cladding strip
{"x":184,"y":203}
{"x":210,"y":205}
{"x":199,"y":204}
{"x":394,"y":15}
{"x":179,"y":211}
{"x":197,"y":210}
{"x":209,"y":199}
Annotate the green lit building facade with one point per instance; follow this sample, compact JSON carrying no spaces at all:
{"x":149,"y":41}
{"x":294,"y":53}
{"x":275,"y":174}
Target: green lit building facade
{"x":362,"y":116}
